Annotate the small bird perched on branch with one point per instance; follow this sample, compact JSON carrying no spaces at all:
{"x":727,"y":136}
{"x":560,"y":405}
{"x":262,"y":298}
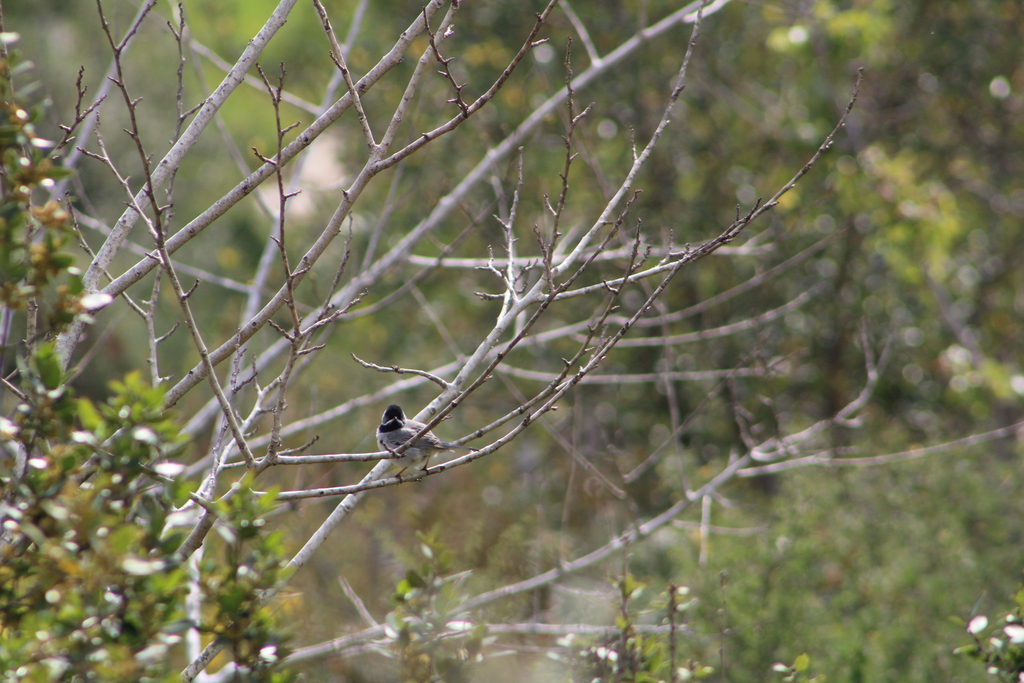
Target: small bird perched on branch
{"x":395,"y":429}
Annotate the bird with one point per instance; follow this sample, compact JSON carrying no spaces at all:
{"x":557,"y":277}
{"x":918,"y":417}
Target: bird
{"x":396,"y":429}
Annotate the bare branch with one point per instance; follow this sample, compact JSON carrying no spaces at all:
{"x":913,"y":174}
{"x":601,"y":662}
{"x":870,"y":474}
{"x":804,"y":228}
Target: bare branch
{"x":169,"y":164}
{"x":338,"y":56}
{"x":825,"y":458}
{"x":402,"y":371}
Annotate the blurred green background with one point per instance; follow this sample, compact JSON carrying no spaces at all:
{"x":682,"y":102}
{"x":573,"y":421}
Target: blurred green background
{"x":922,"y":195}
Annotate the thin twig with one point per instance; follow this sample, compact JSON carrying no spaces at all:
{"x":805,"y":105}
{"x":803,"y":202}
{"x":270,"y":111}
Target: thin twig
{"x":402,"y":371}
{"x":338,"y":56}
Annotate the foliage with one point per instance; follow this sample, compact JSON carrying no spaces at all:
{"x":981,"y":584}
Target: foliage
{"x":631,"y":656}
{"x":235,"y":585}
{"x":33,"y":265}
{"x":902,"y":242}
{"x":999,"y":644}
{"x":91,"y":587}
{"x":97,"y":591}
{"x":426,"y":637}
{"x":425,"y":634}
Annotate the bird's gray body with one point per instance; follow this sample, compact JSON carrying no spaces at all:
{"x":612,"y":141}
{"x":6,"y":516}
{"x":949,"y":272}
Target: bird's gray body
{"x":396,"y":429}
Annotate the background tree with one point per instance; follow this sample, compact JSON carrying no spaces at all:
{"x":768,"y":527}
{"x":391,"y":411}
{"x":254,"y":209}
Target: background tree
{"x":797,"y":400}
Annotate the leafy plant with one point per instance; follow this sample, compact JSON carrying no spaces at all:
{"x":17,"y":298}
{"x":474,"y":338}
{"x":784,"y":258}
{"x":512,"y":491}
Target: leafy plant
{"x":91,"y":584}
{"x":999,"y":643}
{"x":426,"y":638}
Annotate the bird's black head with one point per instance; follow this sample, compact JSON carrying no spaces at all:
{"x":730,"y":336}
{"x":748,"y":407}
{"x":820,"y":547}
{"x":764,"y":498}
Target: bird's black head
{"x":393,"y":413}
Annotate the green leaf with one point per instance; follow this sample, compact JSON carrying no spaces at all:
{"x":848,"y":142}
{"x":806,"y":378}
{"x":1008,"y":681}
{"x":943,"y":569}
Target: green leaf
{"x":180,"y":489}
{"x":75,"y":285}
{"x":62,"y":260}
{"x":656,"y":655}
{"x":230,"y":600}
{"x":415,"y":580}
{"x":48,"y":366}
{"x":59,"y":172}
{"x":801,"y":662}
